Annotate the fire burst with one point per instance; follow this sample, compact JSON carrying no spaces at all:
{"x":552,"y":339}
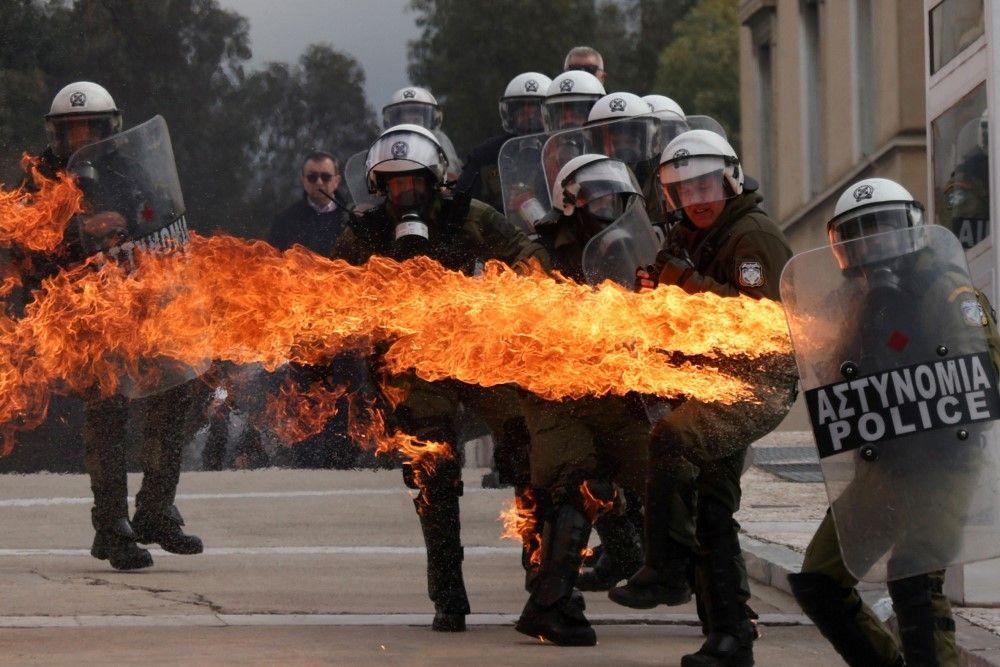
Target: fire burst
{"x":245,"y":302}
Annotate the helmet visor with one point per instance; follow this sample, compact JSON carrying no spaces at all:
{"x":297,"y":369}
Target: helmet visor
{"x":632,"y":141}
{"x":412,"y":113}
{"x":598,"y":181}
{"x":566,"y":112}
{"x":409,"y":191}
{"x":521,"y":115}
{"x":405,"y":151}
{"x":871,"y":221}
{"x":68,"y":134}
{"x":691,"y":181}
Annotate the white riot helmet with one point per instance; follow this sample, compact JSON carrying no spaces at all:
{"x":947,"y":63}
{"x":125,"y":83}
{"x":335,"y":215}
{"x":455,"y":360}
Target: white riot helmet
{"x":663,"y":105}
{"x":405,"y":149}
{"x":521,"y":104}
{"x":82,"y":113}
{"x":413,"y":106}
{"x":569,"y":99}
{"x":869,"y":207}
{"x":621,"y":125}
{"x":618,"y":105}
{"x":699,"y":167}
{"x":597,"y":186}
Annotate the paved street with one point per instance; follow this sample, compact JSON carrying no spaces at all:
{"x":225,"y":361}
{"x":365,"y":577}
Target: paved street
{"x":304,"y":567}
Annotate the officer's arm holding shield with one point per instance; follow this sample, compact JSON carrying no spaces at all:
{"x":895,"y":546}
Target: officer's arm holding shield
{"x":903,"y":403}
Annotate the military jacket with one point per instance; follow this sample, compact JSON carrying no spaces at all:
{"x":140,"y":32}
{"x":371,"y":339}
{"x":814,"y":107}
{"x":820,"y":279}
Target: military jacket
{"x":481,"y":234}
{"x":742,"y":253}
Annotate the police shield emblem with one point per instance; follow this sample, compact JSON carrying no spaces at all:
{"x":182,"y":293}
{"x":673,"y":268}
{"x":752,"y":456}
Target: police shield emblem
{"x":902,"y":399}
{"x":973,"y":312}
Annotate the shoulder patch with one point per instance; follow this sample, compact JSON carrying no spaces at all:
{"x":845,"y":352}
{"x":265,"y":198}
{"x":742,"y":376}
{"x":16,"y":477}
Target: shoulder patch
{"x":750,"y":274}
{"x":973,"y":313}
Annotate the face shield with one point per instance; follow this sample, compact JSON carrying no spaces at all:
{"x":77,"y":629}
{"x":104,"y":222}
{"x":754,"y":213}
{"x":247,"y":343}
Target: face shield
{"x":567,"y":111}
{"x":412,"y":113}
{"x":634,"y":141}
{"x":696,"y":180}
{"x":412,"y":191}
{"x":521,"y":115}
{"x":864,"y":236}
{"x":671,"y":125}
{"x":68,"y":134}
{"x":400,"y":152}
{"x":599,"y":193}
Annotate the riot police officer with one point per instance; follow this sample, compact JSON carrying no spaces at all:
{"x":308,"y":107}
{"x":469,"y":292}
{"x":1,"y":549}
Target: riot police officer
{"x":569,"y":98}
{"x":407,"y":166}
{"x":583,"y":452}
{"x":417,"y":106}
{"x":727,"y":245}
{"x":83,"y":113}
{"x":520,"y":114}
{"x":893,"y":276}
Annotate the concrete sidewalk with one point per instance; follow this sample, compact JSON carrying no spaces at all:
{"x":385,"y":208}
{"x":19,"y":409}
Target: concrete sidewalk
{"x":778,"y":518}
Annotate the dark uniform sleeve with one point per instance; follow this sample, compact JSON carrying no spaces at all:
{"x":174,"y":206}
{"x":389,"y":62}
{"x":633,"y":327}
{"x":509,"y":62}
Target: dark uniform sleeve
{"x":499,"y":239}
{"x":754,"y":270}
{"x":350,"y":248}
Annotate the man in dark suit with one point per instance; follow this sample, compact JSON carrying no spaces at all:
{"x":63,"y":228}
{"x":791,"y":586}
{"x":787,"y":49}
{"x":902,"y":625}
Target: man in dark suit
{"x":315,"y":220}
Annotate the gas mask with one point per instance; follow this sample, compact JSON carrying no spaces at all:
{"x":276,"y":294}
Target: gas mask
{"x":410,"y":197}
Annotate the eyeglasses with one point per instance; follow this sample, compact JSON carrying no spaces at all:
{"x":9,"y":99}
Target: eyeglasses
{"x":591,"y":69}
{"x":313,"y":176}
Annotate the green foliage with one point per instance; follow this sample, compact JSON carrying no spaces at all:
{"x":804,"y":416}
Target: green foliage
{"x":468,"y":51}
{"x":318,"y":104}
{"x":237,"y":137}
{"x":700,"y":67}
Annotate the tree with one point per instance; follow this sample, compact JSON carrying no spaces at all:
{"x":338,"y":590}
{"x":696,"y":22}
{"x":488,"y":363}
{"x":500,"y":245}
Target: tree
{"x":699,"y":67}
{"x":467,"y":52}
{"x":318,"y":104}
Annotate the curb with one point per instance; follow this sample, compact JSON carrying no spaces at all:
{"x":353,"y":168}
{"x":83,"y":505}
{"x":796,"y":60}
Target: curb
{"x":770,"y":564}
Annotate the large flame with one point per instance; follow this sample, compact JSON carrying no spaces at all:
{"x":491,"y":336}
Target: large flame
{"x":36,"y":221}
{"x":245,"y":302}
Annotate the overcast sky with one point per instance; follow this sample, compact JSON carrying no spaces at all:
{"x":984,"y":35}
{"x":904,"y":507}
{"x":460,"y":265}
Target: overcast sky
{"x":375,"y":32}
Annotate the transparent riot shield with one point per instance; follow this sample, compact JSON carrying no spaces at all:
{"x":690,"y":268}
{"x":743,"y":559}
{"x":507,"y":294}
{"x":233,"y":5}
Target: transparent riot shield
{"x":891,"y":345}
{"x":620,"y":248}
{"x":133,"y":201}
{"x":635,"y":141}
{"x":706,"y":123}
{"x":522,"y":181}
{"x":356,"y":178}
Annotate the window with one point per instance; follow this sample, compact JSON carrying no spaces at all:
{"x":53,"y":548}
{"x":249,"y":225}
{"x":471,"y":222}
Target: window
{"x":812,"y":91}
{"x":865,"y":121}
{"x":954,"y":25}
{"x":960,"y":142}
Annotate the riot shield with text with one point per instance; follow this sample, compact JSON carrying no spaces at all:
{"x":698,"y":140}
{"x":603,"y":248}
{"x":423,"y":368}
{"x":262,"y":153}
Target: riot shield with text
{"x":356,"y":178}
{"x":523,"y":186}
{"x":891,"y":345}
{"x":133,"y":203}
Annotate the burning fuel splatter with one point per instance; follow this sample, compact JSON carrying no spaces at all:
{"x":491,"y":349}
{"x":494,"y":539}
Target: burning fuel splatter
{"x":245,"y":302}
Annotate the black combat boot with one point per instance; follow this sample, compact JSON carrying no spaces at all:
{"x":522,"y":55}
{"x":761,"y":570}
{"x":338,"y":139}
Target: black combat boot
{"x":718,"y":575}
{"x":163,"y":527}
{"x":665,"y":576}
{"x":552,"y":613}
{"x":438,"y":509}
{"x":912,"y":602}
{"x":834,"y":610}
{"x":622,"y":553}
{"x":114,"y":541}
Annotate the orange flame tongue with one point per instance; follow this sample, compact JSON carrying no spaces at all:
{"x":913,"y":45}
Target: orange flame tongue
{"x":520,"y":522}
{"x":37,"y":221}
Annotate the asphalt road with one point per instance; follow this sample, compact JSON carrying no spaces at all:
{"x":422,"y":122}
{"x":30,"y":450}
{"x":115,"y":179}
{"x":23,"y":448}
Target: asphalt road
{"x":305,"y":567}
